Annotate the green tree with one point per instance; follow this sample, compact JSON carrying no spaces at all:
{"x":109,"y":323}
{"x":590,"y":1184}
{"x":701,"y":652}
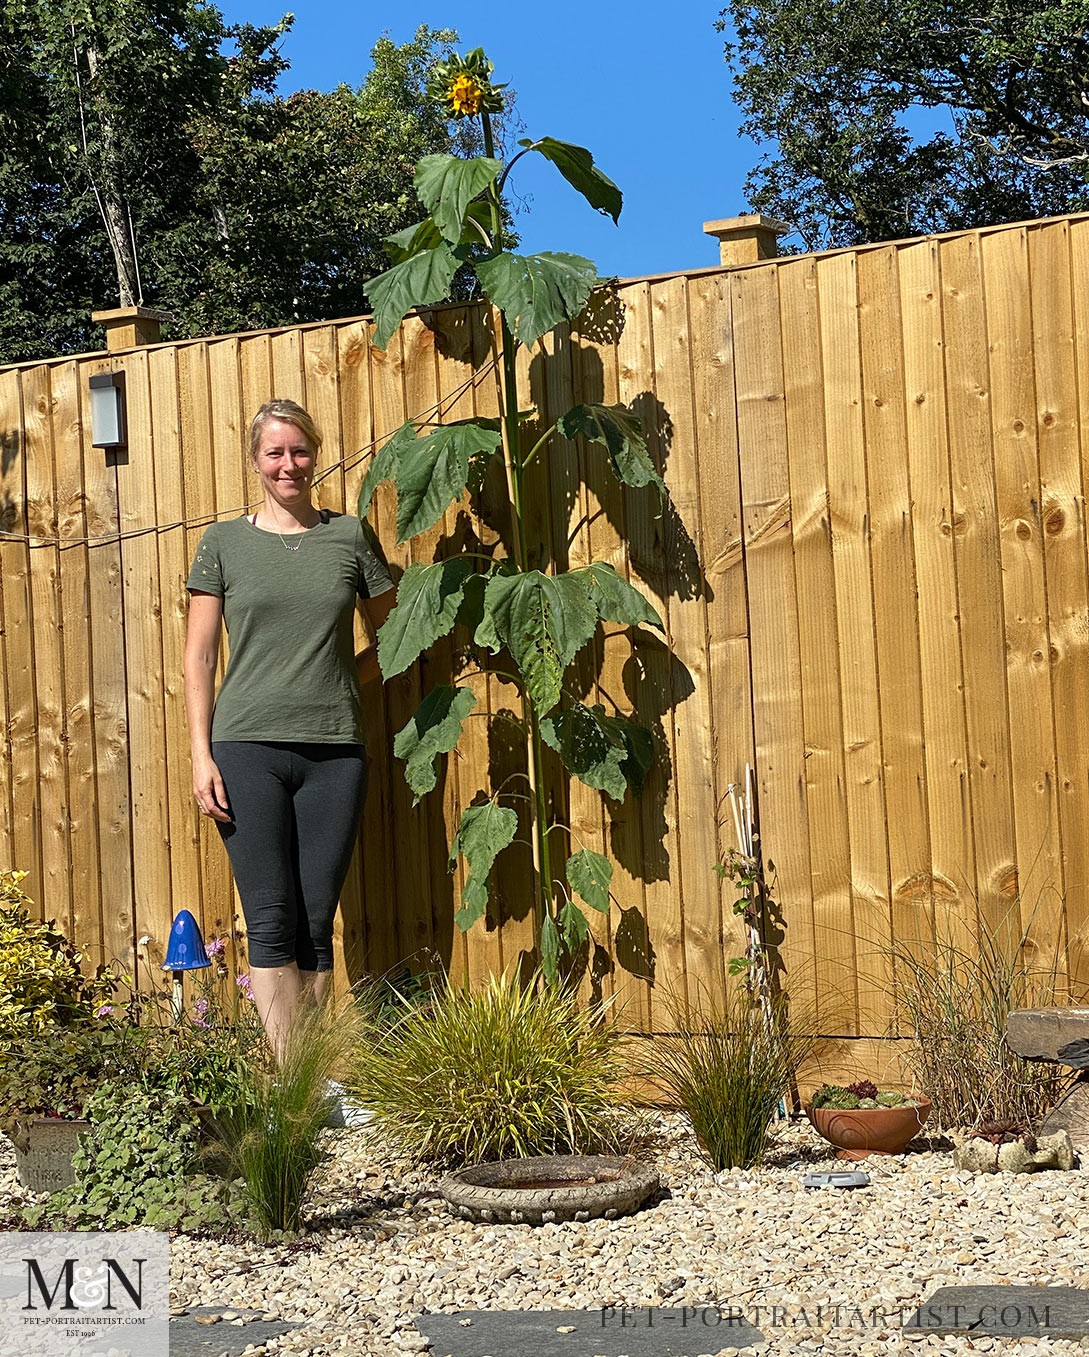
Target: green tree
{"x":146,"y":156}
{"x":535,"y":620}
{"x":835,"y":86}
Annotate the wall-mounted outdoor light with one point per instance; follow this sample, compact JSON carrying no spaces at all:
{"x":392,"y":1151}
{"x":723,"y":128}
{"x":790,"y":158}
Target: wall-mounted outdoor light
{"x":108,"y":410}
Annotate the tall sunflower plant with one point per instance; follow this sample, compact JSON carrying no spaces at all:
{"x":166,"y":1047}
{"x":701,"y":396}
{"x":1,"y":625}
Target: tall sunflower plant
{"x":542,"y":620}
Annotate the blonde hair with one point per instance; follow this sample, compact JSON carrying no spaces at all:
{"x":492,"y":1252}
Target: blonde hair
{"x":292,"y":413}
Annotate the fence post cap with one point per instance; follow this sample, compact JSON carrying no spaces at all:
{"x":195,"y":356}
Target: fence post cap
{"x":129,"y":327}
{"x":744,"y":239}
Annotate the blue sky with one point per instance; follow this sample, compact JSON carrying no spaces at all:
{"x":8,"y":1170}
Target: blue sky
{"x":644,"y":86}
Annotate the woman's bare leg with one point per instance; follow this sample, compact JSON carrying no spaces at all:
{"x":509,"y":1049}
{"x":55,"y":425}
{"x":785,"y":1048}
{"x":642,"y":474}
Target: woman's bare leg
{"x":318,"y":983}
{"x":276,"y":991}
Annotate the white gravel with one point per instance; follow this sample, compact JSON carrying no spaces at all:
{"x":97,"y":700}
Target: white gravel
{"x":383,"y":1249}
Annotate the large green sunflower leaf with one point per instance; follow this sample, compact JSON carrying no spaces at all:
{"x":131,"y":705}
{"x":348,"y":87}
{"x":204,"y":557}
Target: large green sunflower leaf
{"x":574,"y":926}
{"x":615,"y":599}
{"x":576,"y":164}
{"x":417,"y":281}
{"x":544,"y":620}
{"x":482,"y":835}
{"x":537,"y":291}
{"x":432,"y":472}
{"x":550,"y":949}
{"x":621,"y":432}
{"x":448,"y":183}
{"x":433,"y":731}
{"x":638,"y":745}
{"x":384,"y":465}
{"x":425,"y":235}
{"x":590,"y":750}
{"x":590,"y":875}
{"x":428,"y":599}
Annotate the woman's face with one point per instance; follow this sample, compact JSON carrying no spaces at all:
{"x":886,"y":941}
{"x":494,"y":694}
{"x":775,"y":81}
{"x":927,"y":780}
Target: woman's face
{"x":284,"y":461}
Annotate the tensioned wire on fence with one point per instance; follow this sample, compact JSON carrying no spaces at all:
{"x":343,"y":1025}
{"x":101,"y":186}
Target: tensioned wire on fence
{"x":350,"y":460}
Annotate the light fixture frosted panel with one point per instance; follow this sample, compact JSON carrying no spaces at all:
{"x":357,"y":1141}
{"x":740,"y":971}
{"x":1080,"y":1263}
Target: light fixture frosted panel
{"x":108,"y":410}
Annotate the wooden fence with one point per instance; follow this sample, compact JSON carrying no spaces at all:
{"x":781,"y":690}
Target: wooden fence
{"x":873,"y":573}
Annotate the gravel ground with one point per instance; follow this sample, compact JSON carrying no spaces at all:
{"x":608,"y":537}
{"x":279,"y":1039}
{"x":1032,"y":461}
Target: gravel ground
{"x":383,"y":1249}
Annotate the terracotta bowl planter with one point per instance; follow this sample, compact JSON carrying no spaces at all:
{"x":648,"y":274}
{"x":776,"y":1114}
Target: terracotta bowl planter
{"x":860,"y":1131}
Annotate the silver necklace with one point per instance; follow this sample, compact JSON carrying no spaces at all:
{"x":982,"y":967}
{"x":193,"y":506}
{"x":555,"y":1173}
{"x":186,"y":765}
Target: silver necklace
{"x":291,"y":546}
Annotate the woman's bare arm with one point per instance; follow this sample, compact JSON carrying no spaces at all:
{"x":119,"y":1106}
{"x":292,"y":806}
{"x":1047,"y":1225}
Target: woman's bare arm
{"x":375,"y":610}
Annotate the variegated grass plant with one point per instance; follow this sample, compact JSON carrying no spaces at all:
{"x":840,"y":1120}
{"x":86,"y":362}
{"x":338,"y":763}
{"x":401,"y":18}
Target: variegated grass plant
{"x":514,"y":1069}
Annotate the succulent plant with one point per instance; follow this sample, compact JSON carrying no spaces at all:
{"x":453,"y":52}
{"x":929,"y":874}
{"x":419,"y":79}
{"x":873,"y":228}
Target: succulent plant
{"x":863,"y":1088}
{"x":862,"y":1093}
{"x":833,"y":1095}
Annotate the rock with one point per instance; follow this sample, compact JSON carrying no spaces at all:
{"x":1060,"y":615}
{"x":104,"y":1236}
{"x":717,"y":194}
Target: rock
{"x":981,"y":1156}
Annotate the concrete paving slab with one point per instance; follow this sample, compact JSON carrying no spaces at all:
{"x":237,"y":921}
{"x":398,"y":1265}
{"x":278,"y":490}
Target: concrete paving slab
{"x":1020,"y":1311}
{"x":609,"y":1331}
{"x":188,"y":1338}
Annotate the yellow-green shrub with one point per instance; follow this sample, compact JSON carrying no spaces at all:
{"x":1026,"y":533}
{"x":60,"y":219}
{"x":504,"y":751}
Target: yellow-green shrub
{"x":42,"y":983}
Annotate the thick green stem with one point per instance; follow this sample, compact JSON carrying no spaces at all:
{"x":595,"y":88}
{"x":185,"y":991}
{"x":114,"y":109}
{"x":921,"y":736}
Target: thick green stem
{"x":508,"y":391}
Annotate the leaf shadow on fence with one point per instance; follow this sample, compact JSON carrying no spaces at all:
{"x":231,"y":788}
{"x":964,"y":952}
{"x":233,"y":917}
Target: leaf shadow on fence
{"x":577,"y":511}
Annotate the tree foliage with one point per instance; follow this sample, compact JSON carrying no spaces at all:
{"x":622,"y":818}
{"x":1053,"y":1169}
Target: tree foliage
{"x":836,"y":87}
{"x":147,"y":134}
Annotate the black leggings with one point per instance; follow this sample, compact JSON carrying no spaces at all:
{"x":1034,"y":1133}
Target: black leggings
{"x":295,"y":814}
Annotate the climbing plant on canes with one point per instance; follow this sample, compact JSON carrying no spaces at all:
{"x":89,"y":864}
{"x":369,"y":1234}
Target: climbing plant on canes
{"x":542,"y":620}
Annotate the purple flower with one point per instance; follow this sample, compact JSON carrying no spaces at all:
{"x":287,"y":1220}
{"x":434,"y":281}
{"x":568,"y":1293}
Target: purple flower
{"x":243,"y":983}
{"x":215,"y":947}
{"x":104,"y":1011}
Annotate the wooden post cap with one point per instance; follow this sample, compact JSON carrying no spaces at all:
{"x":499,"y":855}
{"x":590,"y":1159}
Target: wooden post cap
{"x":129,"y":327}
{"x":745,"y":239}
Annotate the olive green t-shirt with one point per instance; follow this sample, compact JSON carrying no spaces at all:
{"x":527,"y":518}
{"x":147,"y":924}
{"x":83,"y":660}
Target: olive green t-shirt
{"x":291,"y":674}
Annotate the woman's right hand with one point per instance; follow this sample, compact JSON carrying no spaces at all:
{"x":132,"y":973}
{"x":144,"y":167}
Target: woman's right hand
{"x":209,"y":790}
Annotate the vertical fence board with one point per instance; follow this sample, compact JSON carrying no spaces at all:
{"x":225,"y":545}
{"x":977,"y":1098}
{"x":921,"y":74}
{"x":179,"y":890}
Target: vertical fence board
{"x":651,"y":669}
{"x":849,"y":518}
{"x":142,"y":600}
{"x":617,"y":828}
{"x":1078,"y":902}
{"x":1067,"y":602}
{"x":1028,"y":664}
{"x":773,"y":614}
{"x":819,"y":658}
{"x":952,"y":885}
{"x":979,"y":577}
{"x":82,"y":810}
{"x":728,"y":652}
{"x":694,"y":772}
{"x":895,"y":604}
{"x":46,"y":614}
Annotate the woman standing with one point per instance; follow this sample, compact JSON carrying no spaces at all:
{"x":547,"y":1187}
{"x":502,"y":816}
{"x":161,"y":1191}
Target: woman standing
{"x":278,"y":755}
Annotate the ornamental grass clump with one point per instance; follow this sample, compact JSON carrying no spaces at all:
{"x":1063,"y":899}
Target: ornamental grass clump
{"x":512,"y":1070}
{"x":953,"y":999}
{"x":729,"y":1064}
{"x":272,"y":1137}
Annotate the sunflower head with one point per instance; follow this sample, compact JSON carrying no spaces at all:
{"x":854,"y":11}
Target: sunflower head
{"x":463,"y":85}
